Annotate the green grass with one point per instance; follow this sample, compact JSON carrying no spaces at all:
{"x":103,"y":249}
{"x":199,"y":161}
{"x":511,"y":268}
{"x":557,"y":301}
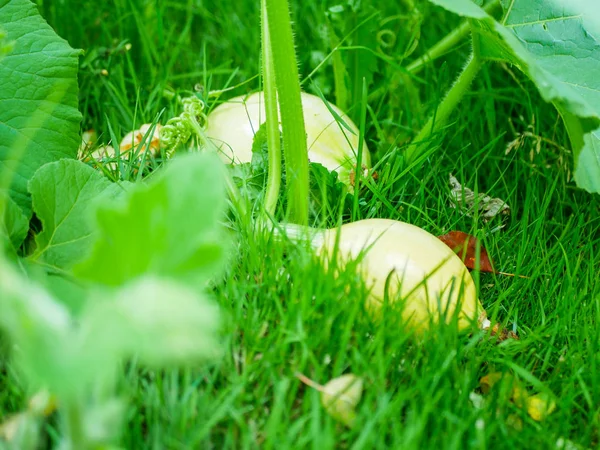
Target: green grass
{"x":285,"y":315}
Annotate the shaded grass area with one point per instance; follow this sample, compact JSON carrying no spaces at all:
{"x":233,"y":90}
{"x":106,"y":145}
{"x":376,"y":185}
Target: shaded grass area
{"x":284,"y":314}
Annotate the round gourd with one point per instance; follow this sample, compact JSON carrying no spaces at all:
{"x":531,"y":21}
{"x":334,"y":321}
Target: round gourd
{"x":421,"y":269}
{"x":232,"y":125}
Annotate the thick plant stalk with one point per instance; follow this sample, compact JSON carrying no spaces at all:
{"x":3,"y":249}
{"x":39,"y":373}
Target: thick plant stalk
{"x":445,"y":109}
{"x":295,"y":151}
{"x":272,"y":118}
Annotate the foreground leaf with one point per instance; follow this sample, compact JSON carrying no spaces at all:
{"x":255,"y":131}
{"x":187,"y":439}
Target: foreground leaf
{"x":64,"y":194}
{"x":36,"y":323}
{"x":165,"y":227}
{"x":159,"y":321}
{"x":39,"y":119}
{"x":20,"y":431}
{"x":552,"y":43}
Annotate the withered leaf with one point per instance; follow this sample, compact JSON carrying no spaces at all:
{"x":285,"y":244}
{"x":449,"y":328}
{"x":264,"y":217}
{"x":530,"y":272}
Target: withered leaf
{"x":465,"y":199}
{"x":465,"y":246}
{"x":538,"y":406}
{"x":340,"y":397}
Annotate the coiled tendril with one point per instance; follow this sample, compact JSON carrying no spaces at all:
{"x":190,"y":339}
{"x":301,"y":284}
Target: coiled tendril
{"x":178,"y":130}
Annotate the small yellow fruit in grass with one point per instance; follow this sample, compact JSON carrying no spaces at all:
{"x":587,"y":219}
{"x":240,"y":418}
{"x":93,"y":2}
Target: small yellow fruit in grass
{"x":133,"y":139}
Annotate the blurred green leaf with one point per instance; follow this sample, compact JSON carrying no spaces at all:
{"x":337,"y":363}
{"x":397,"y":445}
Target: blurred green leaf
{"x":38,"y":325}
{"x":166,"y":227}
{"x":159,"y":321}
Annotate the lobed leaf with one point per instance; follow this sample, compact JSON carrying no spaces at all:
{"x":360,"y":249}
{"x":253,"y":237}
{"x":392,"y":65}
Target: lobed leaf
{"x":39,"y":119}
{"x":36,"y":323}
{"x":159,"y":321}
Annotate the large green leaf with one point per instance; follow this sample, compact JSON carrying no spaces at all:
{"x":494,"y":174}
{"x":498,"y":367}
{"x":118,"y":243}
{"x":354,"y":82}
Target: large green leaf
{"x":63,"y":194}
{"x":39,"y":119}
{"x":167,"y":227}
{"x":555,"y":44}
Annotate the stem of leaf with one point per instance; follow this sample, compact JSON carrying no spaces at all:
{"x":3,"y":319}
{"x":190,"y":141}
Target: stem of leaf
{"x":292,"y":120}
{"x":75,"y":432}
{"x":358,"y":170}
{"x":272,"y":118}
{"x":339,"y":69}
{"x":448,"y":42}
{"x":445,"y":109}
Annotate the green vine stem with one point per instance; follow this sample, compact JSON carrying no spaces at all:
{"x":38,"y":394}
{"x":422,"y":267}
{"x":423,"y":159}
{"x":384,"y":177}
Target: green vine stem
{"x":448,"y":42}
{"x":452,"y":99}
{"x":443,"y":46}
{"x":339,"y":69}
{"x":359,"y":165}
{"x":272,"y":117}
{"x":295,"y":151}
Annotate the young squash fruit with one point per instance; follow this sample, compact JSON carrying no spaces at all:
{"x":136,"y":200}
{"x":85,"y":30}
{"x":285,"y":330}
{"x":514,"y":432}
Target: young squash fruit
{"x":232,"y":125}
{"x":398,"y":260}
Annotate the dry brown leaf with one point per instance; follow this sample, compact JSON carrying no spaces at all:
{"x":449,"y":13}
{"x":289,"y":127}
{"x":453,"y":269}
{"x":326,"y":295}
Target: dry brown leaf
{"x":458,"y":240}
{"x":465,"y":199}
